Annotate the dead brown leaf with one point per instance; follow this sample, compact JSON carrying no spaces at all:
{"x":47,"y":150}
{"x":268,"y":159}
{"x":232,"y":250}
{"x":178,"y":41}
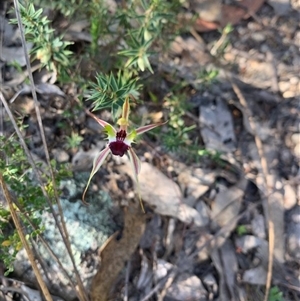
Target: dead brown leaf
{"x":225,"y":261}
{"x":221,"y":15}
{"x":114,"y":253}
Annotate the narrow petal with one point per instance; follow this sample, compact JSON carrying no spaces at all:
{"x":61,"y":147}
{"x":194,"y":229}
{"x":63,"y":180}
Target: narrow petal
{"x":136,"y":166}
{"x":146,"y":128}
{"x":101,"y":122}
{"x":98,"y":161}
{"x":135,"y":162}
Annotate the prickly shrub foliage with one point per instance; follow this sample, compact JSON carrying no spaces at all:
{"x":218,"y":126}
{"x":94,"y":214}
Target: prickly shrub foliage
{"x":27,"y":197}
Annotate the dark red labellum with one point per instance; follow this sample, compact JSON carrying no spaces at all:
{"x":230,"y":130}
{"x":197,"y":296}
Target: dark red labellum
{"x":118,"y":147}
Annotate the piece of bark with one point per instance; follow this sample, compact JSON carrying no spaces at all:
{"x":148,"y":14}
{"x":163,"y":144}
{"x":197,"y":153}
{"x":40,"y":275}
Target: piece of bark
{"x":115,"y":253}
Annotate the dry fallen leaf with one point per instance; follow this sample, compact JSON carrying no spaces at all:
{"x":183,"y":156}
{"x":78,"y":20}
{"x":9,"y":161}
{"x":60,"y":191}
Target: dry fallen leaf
{"x":114,"y":253}
{"x":221,"y":15}
{"x":226,"y":263}
{"x":217,"y":126}
{"x":164,"y":195}
{"x":227,"y":204}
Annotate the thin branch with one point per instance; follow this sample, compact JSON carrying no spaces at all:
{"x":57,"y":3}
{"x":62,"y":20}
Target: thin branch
{"x":264,"y":171}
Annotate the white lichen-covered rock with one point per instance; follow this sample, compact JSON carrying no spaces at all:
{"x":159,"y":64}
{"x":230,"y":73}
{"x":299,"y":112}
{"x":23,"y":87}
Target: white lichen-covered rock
{"x":88,"y":228}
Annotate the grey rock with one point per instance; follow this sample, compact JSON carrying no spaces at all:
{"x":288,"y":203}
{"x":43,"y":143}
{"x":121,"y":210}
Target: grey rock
{"x":293,"y":233}
{"x":15,"y":54}
{"x":49,"y":89}
{"x":60,"y":155}
{"x":290,"y":196}
{"x":187,"y":287}
{"x":258,"y":226}
{"x":281,"y":7}
{"x":162,"y":269}
{"x":88,"y":228}
{"x":7,"y":31}
{"x":249,"y":242}
{"x":211,"y":283}
{"x":256,"y":276}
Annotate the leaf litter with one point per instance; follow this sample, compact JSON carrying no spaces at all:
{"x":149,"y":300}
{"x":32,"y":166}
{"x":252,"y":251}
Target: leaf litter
{"x":207,"y":237}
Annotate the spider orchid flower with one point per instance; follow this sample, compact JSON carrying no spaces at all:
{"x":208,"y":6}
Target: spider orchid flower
{"x":119,"y":143}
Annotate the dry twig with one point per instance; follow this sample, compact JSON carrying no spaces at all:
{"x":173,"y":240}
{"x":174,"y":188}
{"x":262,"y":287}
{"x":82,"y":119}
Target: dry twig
{"x":61,"y":226}
{"x":267,"y":184}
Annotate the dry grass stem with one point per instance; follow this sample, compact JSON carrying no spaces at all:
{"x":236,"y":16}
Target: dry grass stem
{"x":268,"y":185}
